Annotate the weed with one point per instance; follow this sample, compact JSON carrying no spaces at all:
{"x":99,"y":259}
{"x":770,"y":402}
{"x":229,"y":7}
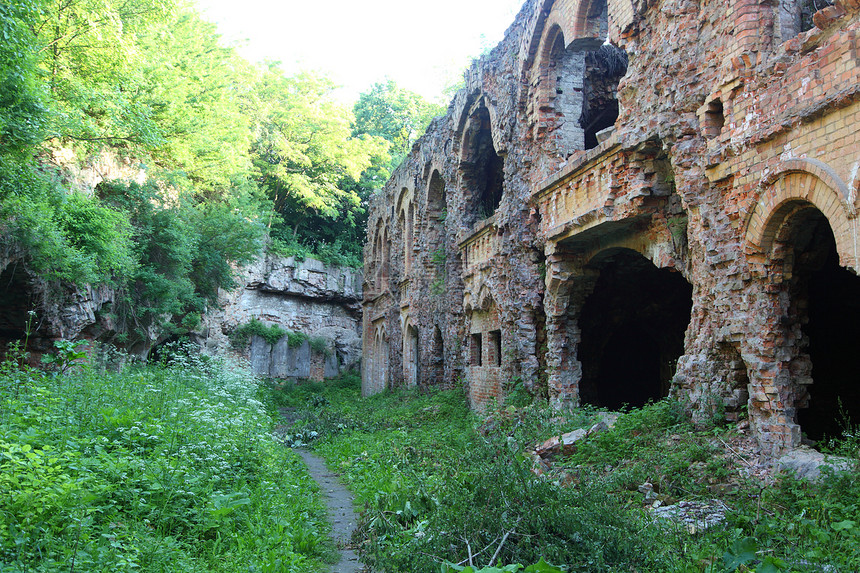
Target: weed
{"x":321,"y":345}
{"x":158,"y":468}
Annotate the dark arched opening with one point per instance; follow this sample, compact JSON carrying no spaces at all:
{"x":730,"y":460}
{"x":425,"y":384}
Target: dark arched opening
{"x":412,"y":357}
{"x":825,"y":299}
{"x":632,"y":330}
{"x":483,"y":168}
{"x":437,"y":358}
{"x":437,"y":214}
{"x":604,"y":69}
{"x":17,"y":324}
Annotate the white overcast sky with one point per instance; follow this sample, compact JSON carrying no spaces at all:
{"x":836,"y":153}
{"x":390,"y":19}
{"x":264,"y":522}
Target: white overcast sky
{"x":423,"y":46}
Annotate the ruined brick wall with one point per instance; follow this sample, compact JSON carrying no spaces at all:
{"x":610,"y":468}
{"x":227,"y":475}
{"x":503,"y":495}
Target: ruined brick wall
{"x":638,"y":197}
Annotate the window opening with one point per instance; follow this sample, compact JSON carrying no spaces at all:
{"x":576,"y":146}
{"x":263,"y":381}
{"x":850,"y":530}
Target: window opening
{"x":476,"y":350}
{"x":715,"y":119}
{"x":494,"y":348}
{"x":483,"y":168}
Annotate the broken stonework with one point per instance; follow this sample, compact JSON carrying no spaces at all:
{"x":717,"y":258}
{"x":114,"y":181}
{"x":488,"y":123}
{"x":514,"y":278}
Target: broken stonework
{"x":806,"y":463}
{"x":694,"y":516}
{"x":565,"y":444}
{"x":630,"y":200}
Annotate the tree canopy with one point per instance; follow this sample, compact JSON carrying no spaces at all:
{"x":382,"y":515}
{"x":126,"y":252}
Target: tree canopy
{"x":395,"y":114}
{"x":231,"y":151}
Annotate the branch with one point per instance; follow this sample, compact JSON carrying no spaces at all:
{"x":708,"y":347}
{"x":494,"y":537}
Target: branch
{"x":469,"y":548}
{"x":130,"y":139}
{"x":499,"y":548}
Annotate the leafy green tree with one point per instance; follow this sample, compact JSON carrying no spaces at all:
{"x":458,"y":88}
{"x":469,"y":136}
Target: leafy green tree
{"x":184,"y":250}
{"x":22,"y":111}
{"x":66,"y":236}
{"x":196,"y":91}
{"x":92,"y":59}
{"x":395,"y":114}
{"x":304,"y":154}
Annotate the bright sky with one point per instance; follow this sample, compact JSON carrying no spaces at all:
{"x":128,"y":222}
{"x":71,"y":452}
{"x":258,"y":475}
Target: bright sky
{"x":423,"y":46}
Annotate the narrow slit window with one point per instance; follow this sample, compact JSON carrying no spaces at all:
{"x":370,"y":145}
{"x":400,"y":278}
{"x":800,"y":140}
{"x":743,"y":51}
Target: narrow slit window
{"x":494,"y":347}
{"x":476,"y":350}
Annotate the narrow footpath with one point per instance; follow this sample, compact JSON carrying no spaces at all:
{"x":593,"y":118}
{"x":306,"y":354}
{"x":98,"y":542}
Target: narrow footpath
{"x":338,"y":499}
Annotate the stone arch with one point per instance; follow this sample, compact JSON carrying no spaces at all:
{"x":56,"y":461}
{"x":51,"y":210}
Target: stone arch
{"x":381,"y":255}
{"x":411,"y":353}
{"x":575,"y":82}
{"x":824,"y":305}
{"x":794,"y":184}
{"x":405,"y":220}
{"x":481,"y":164}
{"x":410,"y":235}
{"x":560,"y":93}
{"x":802,"y":229}
{"x":616,"y":325}
{"x":436,"y":361}
{"x":384,"y":266}
{"x":437,"y":199}
{"x":591,"y":21}
{"x":375,"y":258}
{"x":578,"y":20}
{"x":474,"y":103}
{"x":381,"y":358}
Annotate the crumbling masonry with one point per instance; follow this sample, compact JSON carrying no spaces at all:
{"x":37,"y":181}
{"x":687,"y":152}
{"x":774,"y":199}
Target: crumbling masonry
{"x":636,"y":198}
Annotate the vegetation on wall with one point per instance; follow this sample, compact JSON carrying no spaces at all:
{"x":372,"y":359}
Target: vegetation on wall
{"x":273,"y":334}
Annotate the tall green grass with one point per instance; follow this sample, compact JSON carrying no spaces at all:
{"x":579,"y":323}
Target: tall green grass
{"x":158,"y":468}
{"x":435,"y":483}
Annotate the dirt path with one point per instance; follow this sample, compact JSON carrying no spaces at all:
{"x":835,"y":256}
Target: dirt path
{"x":339,"y":502}
{"x":337,"y":498}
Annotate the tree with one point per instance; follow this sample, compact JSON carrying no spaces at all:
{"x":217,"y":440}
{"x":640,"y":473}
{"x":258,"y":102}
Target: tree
{"x":22,"y":111}
{"x":304,"y":154}
{"x":395,"y":114}
{"x":92,"y":60}
{"x":196,"y":91}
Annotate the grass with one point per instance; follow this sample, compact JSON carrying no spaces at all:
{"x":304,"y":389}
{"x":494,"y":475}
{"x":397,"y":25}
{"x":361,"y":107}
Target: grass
{"x":158,"y":468}
{"x":434,"y":483}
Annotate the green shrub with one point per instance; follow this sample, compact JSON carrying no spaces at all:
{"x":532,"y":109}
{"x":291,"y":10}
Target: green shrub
{"x":335,"y":253}
{"x":296,"y":339}
{"x":271,"y":334}
{"x":320,"y":345}
{"x":65,"y":235}
{"x":160,"y":468}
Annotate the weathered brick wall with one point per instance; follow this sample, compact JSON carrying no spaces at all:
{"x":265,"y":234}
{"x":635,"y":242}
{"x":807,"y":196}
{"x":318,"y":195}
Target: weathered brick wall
{"x":734,"y":130}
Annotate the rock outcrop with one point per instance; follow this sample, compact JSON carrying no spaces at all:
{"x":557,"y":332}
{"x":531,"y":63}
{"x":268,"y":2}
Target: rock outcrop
{"x":319,"y":301}
{"x":309,"y":297}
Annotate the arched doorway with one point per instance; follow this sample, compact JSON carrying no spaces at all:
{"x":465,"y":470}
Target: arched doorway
{"x":632,"y":330}
{"x":825,"y":303}
{"x":411,"y":356}
{"x":437,"y":358}
{"x":482,"y":167}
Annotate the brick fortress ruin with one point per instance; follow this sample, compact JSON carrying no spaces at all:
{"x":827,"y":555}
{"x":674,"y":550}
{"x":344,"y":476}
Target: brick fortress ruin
{"x":631,"y":199}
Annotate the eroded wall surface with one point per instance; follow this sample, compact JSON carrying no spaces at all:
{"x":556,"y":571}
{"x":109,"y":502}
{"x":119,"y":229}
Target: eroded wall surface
{"x":635,"y":198}
{"x":303,"y":296}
